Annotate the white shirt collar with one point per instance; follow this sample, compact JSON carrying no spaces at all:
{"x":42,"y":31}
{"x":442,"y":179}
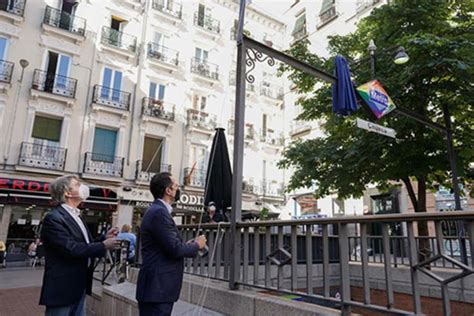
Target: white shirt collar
{"x":168,"y":207}
{"x":72,"y":210}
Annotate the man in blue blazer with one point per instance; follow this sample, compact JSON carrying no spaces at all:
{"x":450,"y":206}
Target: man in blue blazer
{"x":163,"y":251}
{"x":69,"y":250}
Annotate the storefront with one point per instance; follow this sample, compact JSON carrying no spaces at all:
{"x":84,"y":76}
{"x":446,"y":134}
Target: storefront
{"x":24,"y":203}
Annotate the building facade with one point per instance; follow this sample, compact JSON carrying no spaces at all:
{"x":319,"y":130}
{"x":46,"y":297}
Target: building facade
{"x":116,"y":91}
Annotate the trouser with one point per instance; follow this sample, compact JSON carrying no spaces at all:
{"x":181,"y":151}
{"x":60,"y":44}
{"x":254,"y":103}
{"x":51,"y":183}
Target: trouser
{"x":155,"y":309}
{"x":75,"y":309}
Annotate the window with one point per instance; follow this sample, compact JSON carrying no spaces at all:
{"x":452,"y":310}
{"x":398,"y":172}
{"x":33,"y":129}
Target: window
{"x":46,"y":128}
{"x":156,"y":91}
{"x":328,"y":11}
{"x":152,"y":150}
{"x":3,"y":48}
{"x":198,"y":156}
{"x":201,"y":54}
{"x":199,"y":102}
{"x":112,"y":84}
{"x":300,"y":26}
{"x":103,"y":148}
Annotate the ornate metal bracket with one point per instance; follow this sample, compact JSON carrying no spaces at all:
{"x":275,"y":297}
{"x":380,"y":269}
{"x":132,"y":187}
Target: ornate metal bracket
{"x":252,"y":57}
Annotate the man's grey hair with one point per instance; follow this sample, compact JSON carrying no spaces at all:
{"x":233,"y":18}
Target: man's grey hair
{"x":61,"y":185}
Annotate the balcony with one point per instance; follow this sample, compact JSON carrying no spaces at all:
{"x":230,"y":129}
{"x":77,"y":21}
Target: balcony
{"x":109,"y":97}
{"x":63,"y":20}
{"x":271,"y":138}
{"x":271,"y":91}
{"x":201,"y":120}
{"x":120,"y":40}
{"x":144,"y":174}
{"x":163,"y":55}
{"x":205,"y":69}
{"x":207,"y":23}
{"x":273,"y":189}
{"x":41,"y":156}
{"x":156,"y":108}
{"x":300,"y":128}
{"x":103,"y":165}
{"x":249,"y":87}
{"x":195,"y":177}
{"x":172,"y":9}
{"x":13,"y":7}
{"x":6,"y":71}
{"x":54,"y":84}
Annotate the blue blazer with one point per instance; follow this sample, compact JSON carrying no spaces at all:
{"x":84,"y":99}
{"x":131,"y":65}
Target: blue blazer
{"x":67,"y":273}
{"x":163,"y":251}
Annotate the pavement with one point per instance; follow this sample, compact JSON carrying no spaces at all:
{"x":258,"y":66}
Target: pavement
{"x":20,"y":290}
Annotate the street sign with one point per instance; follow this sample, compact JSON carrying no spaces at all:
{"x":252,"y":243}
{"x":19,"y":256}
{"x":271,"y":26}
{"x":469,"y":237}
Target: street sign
{"x":379,"y":129}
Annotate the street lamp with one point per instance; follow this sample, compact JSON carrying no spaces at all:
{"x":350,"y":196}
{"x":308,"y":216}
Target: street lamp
{"x":400,"y":57}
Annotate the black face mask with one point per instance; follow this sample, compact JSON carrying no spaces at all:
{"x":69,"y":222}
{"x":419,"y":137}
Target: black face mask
{"x":177,"y":195}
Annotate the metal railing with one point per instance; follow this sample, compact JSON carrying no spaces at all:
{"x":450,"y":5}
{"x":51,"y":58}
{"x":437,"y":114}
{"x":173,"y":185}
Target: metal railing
{"x":271,"y":91}
{"x":156,"y":108}
{"x":64,"y":20}
{"x":201,"y":119}
{"x":171,"y":8}
{"x":271,"y":138}
{"x":42,"y":156}
{"x":143,"y":173}
{"x":207,"y":22}
{"x":111,"y":97}
{"x":119,"y":39}
{"x":274,"y":255}
{"x":163,"y":54}
{"x":299,"y":126}
{"x":6,"y":71}
{"x":205,"y":68}
{"x":103,"y":165}
{"x":196,"y":179}
{"x":55,"y":84}
{"x":249,"y":87}
{"x":14,"y":7}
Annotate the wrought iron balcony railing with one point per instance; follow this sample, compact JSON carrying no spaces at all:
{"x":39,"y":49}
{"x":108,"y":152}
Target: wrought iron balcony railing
{"x":16,"y":7}
{"x":6,"y":71}
{"x":163,"y":54}
{"x":201,"y":119}
{"x":205,"y":68}
{"x":272,"y":138}
{"x":170,"y":7}
{"x":119,"y":39}
{"x":144,"y":173}
{"x":42,"y":156}
{"x":195,"y":177}
{"x":110,"y":97}
{"x":271,"y":91}
{"x":156,"y":108}
{"x":250,"y":87}
{"x":103,"y":165}
{"x":299,"y":126}
{"x":55,"y":84}
{"x":207,"y":22}
{"x":64,"y":20}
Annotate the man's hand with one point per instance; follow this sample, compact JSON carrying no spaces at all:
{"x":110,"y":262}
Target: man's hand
{"x":201,"y":241}
{"x":111,"y":243}
{"x":113,"y":232}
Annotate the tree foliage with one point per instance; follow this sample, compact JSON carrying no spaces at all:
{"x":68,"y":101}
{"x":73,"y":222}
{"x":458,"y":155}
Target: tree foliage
{"x":439,"y":38}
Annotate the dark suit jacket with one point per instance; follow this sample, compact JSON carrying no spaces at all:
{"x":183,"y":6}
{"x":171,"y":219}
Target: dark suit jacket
{"x":67,"y":273}
{"x":163,"y":251}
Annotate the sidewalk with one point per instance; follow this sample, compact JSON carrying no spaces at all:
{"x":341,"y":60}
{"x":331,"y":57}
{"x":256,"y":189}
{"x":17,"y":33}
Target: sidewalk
{"x":20,"y":290}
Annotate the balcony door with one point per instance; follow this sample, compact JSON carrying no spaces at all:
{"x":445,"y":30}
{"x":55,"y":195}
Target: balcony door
{"x":111,"y":85}
{"x":57,"y":72}
{"x":3,"y":55}
{"x":46,"y":136}
{"x":104,"y":145}
{"x":201,"y":55}
{"x":156,"y":91}
{"x":152,"y":154}
{"x":68,"y":10}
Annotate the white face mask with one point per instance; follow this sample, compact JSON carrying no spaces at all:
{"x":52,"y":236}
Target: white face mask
{"x":84,"y":192}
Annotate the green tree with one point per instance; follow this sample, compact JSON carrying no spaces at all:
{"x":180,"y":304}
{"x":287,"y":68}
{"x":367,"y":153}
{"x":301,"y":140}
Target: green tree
{"x":439,"y":38}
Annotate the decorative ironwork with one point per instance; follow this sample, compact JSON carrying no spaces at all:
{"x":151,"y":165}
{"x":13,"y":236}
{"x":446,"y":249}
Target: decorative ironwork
{"x":103,"y":165}
{"x":55,"y":84}
{"x":143,"y":173}
{"x":195,"y":177}
{"x":64,"y":20}
{"x":156,"y":108}
{"x":119,"y":39}
{"x":14,"y":7}
{"x":42,"y":156}
{"x":111,"y":97}
{"x":6,"y":70}
{"x":253,"y":56}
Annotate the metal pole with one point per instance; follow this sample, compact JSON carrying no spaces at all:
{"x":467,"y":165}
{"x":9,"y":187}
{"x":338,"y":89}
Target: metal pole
{"x":236,"y":215}
{"x":455,"y":182}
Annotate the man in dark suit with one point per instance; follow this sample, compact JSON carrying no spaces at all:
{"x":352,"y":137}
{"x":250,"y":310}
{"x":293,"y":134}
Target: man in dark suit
{"x":69,"y":250}
{"x":163,"y":251}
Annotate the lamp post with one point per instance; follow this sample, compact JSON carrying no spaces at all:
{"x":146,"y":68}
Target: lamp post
{"x":402,"y":57}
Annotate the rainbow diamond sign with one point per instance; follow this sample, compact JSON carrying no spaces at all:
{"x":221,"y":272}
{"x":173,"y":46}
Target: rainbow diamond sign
{"x":376,"y":97}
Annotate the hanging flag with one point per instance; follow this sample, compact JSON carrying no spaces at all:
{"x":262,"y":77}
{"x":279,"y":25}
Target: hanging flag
{"x":344,"y":100}
{"x":376,"y":98}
